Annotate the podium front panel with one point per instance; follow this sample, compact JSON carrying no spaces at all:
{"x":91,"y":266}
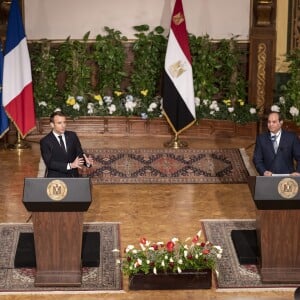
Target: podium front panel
{"x":275,"y":192}
{"x":57,"y":194}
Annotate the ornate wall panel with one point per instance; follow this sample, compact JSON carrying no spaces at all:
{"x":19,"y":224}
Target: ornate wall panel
{"x":295,"y":24}
{"x":262,"y":57}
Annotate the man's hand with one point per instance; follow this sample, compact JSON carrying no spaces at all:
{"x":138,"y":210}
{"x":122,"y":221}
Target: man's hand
{"x":77,"y":163}
{"x":88,"y":160}
{"x":267,"y":173}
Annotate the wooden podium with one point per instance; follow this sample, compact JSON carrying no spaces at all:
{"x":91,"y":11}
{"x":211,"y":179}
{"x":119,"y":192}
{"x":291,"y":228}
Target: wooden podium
{"x":57,"y":207}
{"x":278,"y":226}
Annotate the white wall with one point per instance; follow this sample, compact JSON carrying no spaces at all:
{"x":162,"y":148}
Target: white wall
{"x":58,"y":19}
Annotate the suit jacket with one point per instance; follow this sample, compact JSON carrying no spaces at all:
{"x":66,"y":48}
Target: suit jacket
{"x":56,"y":158}
{"x":285,"y":161}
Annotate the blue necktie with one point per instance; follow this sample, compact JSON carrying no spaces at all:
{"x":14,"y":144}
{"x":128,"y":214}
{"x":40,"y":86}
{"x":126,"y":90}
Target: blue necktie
{"x":275,"y":144}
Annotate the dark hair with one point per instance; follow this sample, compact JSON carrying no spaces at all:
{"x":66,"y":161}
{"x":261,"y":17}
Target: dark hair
{"x":280,"y":118}
{"x":56,"y":113}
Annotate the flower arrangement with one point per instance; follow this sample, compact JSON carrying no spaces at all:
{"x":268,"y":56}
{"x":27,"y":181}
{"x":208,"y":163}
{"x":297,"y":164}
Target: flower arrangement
{"x":235,"y":110}
{"x":119,"y":104}
{"x":287,"y":109}
{"x":174,"y":256}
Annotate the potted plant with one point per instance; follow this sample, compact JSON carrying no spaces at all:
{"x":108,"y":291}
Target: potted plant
{"x":173,"y":265}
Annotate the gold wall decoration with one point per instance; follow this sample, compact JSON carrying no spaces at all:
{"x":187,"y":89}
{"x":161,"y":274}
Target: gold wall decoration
{"x":261,"y":75}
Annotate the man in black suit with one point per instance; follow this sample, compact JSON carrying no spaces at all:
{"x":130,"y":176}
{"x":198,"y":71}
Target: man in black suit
{"x":61,"y":150}
{"x":277,"y":151}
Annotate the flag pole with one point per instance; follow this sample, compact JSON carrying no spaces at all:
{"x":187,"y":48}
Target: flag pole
{"x":19,"y":145}
{"x":176,"y":143}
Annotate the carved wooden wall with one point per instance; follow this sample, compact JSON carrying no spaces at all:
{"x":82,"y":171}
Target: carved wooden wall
{"x":294,"y":24}
{"x":262,"y":56}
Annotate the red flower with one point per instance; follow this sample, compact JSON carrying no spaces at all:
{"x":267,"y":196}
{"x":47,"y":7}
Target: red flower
{"x":190,"y":256}
{"x":155,"y":246}
{"x":170,"y":246}
{"x":195,"y":239}
{"x":143,"y":241}
{"x":202,"y":244}
{"x":205,"y":251}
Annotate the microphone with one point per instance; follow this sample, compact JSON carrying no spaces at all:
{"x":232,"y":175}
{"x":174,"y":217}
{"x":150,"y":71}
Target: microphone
{"x":85,"y":163}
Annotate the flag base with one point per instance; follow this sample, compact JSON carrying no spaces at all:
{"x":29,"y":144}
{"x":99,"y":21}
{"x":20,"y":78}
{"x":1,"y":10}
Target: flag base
{"x":175,"y":143}
{"x":19,"y":145}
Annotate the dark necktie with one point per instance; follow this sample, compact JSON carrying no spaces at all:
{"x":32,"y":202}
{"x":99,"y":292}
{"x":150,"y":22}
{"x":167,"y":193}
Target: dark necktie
{"x":61,"y":142}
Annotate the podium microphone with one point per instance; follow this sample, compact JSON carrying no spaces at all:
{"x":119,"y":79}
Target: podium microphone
{"x":29,"y":218}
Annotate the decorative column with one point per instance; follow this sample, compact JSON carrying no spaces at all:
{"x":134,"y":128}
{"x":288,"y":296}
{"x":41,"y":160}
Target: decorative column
{"x":262,"y":53}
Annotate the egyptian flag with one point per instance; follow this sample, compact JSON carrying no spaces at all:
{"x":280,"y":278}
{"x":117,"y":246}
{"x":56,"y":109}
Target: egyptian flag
{"x":178,"y":93}
{"x":17,"y":81}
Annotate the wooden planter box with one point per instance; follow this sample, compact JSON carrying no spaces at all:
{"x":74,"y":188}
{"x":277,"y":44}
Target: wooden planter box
{"x":136,"y":126}
{"x":171,"y":281}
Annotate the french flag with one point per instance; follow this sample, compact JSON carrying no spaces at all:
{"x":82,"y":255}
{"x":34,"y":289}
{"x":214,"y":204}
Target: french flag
{"x":17,"y":81}
{"x":178,"y":88}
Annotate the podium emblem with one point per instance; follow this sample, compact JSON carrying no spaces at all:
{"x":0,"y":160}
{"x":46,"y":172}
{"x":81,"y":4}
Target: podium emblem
{"x":288,"y":188}
{"x":57,"y":190}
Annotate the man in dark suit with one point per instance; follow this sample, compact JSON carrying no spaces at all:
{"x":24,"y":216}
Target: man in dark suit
{"x":277,"y":151}
{"x":61,"y":150}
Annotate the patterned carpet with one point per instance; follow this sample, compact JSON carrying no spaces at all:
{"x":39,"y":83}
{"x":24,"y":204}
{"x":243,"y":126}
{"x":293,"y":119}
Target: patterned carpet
{"x":107,"y":277}
{"x":232,"y":275}
{"x":168,"y":166}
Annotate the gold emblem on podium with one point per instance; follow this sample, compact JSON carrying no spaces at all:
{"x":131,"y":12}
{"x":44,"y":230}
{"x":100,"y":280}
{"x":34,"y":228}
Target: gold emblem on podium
{"x":288,"y":188}
{"x":57,"y":190}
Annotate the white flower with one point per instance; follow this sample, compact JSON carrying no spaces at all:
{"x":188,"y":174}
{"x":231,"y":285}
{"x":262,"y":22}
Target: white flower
{"x":179,"y":270}
{"x":205,"y":102}
{"x":180,"y":262}
{"x":57,"y":109}
{"x":144,"y":116}
{"x":129,"y":98}
{"x":175,"y":239}
{"x":185,"y":253}
{"x":147,"y":261}
{"x":294,"y":111}
{"x":155,"y":271}
{"x":118,"y":261}
{"x":252,"y":110}
{"x":219,"y":249}
{"x":129,"y":248}
{"x":275,"y":108}
{"x":197,"y":101}
{"x":231,"y":109}
{"x":112,"y":108}
{"x":151,"y":107}
{"x":90,"y":107}
{"x":79,"y":98}
{"x":42,"y":103}
{"x":116,"y":250}
{"x":76,"y":106}
{"x":163,"y":263}
{"x":171,"y":259}
{"x":107,"y":99}
{"x":130,"y":105}
{"x":282,"y":100}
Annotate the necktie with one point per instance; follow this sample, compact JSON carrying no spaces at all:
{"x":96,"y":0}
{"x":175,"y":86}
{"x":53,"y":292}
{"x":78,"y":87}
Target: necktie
{"x":61,"y":142}
{"x":275,"y":144}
